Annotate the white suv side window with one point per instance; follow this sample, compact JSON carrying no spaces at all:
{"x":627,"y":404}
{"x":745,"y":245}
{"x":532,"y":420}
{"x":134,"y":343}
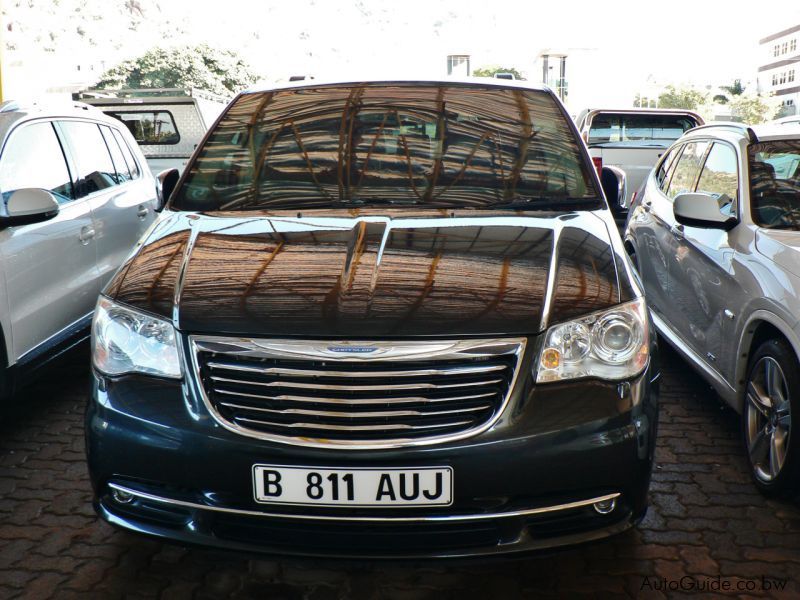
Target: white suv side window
{"x":686,"y":170}
{"x":33,"y":158}
{"x":96,"y":170}
{"x":720,"y":176}
{"x":133,"y":167}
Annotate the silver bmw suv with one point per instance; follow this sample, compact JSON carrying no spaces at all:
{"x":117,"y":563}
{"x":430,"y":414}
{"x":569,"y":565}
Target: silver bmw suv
{"x":76,"y":196}
{"x":715,"y":235}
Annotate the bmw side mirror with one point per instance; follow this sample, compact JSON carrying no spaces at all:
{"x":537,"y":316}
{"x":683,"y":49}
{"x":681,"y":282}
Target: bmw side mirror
{"x":167,"y":181}
{"x":29,"y":205}
{"x":703,"y":210}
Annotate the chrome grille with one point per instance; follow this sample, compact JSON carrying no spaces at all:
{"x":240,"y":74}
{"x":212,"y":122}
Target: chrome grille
{"x":356,"y":394}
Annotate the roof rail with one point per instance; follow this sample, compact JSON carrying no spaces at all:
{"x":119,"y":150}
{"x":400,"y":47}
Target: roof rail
{"x":120,"y":93}
{"x":731,"y":125}
{"x":15,"y":105}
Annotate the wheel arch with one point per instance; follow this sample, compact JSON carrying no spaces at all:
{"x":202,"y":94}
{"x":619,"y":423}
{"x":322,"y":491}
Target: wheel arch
{"x":761,"y":326}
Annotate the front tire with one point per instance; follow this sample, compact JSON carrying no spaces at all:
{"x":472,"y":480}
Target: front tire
{"x":772,"y":393}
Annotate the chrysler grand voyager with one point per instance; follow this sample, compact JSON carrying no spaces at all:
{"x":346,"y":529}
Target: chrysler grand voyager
{"x":378,"y":319}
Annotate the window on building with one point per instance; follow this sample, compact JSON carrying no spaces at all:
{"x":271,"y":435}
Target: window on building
{"x":458,"y":64}
{"x":774,"y":79}
{"x":776,"y":49}
{"x":784,"y":47}
{"x":790,"y":77}
{"x":793,"y":45}
{"x":783,"y":77}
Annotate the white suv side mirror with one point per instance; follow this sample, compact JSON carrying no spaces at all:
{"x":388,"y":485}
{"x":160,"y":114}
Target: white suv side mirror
{"x":697,"y":209}
{"x":29,"y":205}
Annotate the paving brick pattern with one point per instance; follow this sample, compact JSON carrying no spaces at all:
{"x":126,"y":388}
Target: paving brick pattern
{"x":707,"y":526}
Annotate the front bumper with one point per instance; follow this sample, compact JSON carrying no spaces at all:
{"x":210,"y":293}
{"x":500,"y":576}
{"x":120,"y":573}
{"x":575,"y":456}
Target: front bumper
{"x":161,"y":465}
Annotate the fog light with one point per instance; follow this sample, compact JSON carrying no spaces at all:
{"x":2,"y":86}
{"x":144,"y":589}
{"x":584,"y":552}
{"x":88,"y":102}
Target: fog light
{"x":605,"y":506}
{"x":122,"y":497}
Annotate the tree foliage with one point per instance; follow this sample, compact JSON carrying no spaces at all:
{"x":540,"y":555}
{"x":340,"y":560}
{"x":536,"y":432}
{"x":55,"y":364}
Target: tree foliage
{"x":680,"y":97}
{"x":219,"y":71}
{"x":736,"y":89}
{"x":491,"y":70}
{"x":752,"y":109}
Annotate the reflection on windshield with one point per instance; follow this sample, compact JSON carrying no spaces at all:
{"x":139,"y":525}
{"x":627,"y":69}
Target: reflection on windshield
{"x":775,"y":184}
{"x":398,"y":144}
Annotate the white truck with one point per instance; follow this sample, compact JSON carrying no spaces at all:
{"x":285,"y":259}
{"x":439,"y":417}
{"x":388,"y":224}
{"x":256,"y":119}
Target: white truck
{"x":625,"y":144}
{"x":167,"y":123}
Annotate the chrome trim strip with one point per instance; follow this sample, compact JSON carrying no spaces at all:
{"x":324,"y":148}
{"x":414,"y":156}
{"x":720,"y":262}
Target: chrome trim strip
{"x":356,"y":415}
{"x":385,"y":350}
{"x":348,"y":427}
{"x":356,"y":374}
{"x":348,"y":401}
{"x":346,"y":388}
{"x":551,"y":276}
{"x":435,"y":518}
{"x":398,"y":350}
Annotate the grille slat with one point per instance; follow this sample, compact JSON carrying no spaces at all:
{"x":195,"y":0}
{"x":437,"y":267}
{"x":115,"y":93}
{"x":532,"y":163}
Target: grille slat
{"x":353,"y":401}
{"x":353,"y":386}
{"x":356,"y":415}
{"x":310,"y":372}
{"x":357,"y":394}
{"x":348,"y":427}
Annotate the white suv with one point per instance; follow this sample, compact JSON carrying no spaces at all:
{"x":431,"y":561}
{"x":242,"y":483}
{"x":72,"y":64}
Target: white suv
{"x":76,"y":196}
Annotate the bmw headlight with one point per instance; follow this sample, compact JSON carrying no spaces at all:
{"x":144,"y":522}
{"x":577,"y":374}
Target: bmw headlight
{"x":612,"y":344}
{"x":127,"y":341}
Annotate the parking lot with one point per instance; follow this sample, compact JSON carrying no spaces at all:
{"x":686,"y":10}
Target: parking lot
{"x":707,"y":529}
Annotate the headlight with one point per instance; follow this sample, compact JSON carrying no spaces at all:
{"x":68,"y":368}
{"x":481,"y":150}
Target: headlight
{"x":127,"y":341}
{"x":612,"y":344}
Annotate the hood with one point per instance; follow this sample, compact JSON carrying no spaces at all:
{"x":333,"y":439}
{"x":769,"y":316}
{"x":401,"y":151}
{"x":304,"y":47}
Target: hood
{"x":343,"y":274}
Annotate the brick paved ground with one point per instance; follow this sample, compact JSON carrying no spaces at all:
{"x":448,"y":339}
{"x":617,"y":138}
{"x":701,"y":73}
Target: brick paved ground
{"x":706,"y":521}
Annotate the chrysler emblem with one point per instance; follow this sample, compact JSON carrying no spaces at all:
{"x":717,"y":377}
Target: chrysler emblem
{"x":352,"y":349}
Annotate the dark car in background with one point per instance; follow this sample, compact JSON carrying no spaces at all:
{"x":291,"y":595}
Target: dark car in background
{"x":378,"y":319}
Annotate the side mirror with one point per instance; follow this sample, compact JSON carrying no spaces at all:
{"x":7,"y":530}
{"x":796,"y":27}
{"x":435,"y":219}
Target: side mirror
{"x":29,"y":205}
{"x":615,"y":187}
{"x":701,"y":210}
{"x":167,"y":180}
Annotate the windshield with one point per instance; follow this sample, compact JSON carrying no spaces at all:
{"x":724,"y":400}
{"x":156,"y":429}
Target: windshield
{"x":432,"y":145}
{"x":775,"y":184}
{"x":638,"y":130}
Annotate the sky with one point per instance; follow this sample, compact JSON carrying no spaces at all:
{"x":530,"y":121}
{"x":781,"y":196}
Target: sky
{"x":631,"y":42}
{"x":676,"y":40}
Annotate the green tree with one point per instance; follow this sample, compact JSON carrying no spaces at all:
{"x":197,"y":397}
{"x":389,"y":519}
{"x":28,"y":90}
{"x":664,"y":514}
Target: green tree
{"x":491,"y":70}
{"x":753,"y":109}
{"x":737,"y":89}
{"x":219,"y":71}
{"x":685,"y":98}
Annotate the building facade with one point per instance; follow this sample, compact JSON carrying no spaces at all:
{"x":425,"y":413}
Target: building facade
{"x":779,"y":70}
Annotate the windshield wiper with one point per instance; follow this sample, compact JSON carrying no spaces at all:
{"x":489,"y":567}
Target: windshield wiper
{"x":560,"y":204}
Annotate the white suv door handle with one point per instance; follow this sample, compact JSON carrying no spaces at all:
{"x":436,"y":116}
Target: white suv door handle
{"x":142,"y":212}
{"x":86,"y":235}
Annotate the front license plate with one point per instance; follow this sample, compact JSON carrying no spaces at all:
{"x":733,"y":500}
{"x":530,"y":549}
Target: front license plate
{"x":316,"y":486}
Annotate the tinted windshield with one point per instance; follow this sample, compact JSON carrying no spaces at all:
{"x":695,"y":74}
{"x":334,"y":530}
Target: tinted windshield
{"x":775,"y":184}
{"x":661,"y":130}
{"x":415,"y":144}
